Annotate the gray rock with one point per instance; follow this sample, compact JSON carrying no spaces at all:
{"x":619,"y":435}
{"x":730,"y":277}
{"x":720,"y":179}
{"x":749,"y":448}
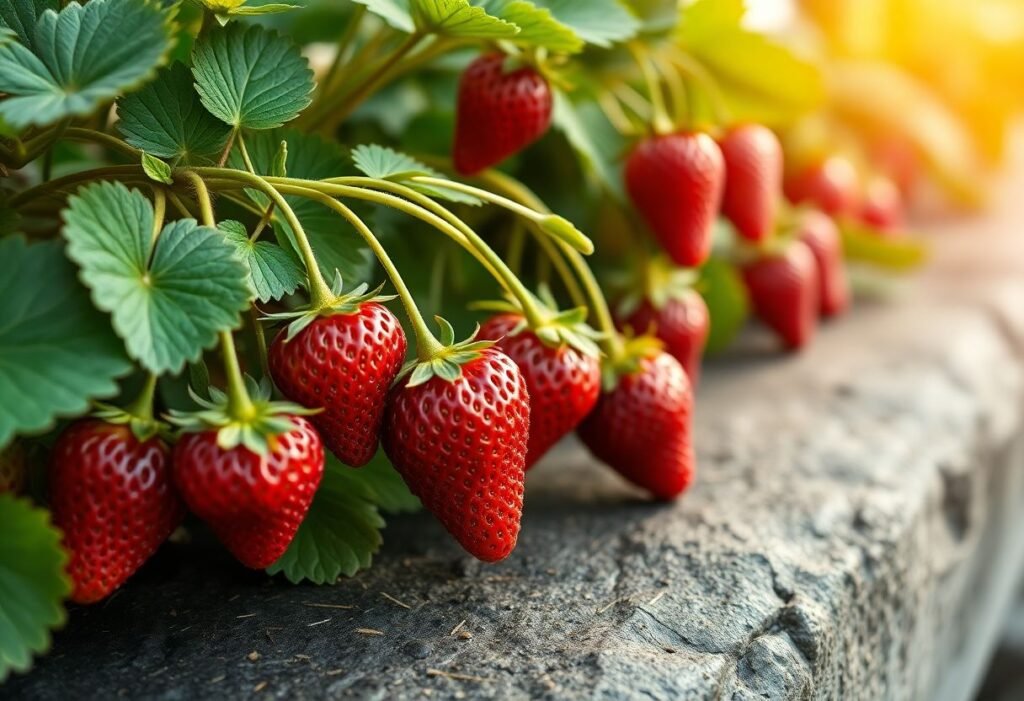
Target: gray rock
{"x":854,"y":533}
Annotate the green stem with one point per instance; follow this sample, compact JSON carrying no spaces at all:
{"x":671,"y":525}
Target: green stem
{"x":130,"y":173}
{"x":261,"y":341}
{"x":695,"y":69}
{"x":159,"y":210}
{"x":320,"y":293}
{"x":427,"y":345}
{"x":227,"y":148}
{"x":344,"y":44}
{"x":142,"y":406}
{"x":245,"y":154}
{"x":240,"y":405}
{"x":203,"y":198}
{"x":103,"y":139}
{"x":179,"y":205}
{"x":660,"y":120}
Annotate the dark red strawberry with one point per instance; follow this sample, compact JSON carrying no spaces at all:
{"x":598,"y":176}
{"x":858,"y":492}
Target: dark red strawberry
{"x":12,"y":468}
{"x":882,"y":205}
{"x":676,"y":183}
{"x":563,"y":381}
{"x":344,"y":363}
{"x":500,"y":112}
{"x":753,"y":179}
{"x":111,"y":495}
{"x":253,"y":502}
{"x":681,"y":321}
{"x":783,"y":288}
{"x":459,"y":440}
{"x":641,"y":428}
{"x":831,"y":185}
{"x":821,"y":235}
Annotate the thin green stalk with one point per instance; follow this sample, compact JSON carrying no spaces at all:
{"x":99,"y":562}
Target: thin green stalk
{"x":142,"y":406}
{"x":344,"y":44}
{"x":240,"y":405}
{"x":427,"y":345}
{"x":660,"y":119}
{"x":129,"y":173}
{"x":159,"y":210}
{"x":178,"y":204}
{"x":227,"y":148}
{"x":245,"y":154}
{"x":99,"y":137}
{"x":261,"y":340}
{"x":203,"y":198}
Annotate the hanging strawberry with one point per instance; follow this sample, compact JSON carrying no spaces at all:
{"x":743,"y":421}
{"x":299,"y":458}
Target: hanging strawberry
{"x":783,"y":287}
{"x":753,"y":179}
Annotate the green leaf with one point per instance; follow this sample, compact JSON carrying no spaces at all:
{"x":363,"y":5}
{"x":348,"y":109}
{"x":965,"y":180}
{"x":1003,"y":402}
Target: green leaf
{"x":250,"y":77}
{"x":882,"y":249}
{"x":384,"y":163}
{"x":155,"y":169}
{"x":726,"y":297}
{"x":168,"y":310}
{"x":85,"y":56}
{"x":257,"y":10}
{"x":273,"y":273}
{"x":395,"y":12}
{"x":658,"y":16}
{"x":33,"y":583}
{"x":537,"y":26}
{"x":598,"y":22}
{"x":336,"y":245}
{"x":56,"y":351}
{"x":388,"y":489}
{"x":458,"y":18}
{"x":701,"y":22}
{"x":340,"y":534}
{"x":593,"y":138}
{"x":166,"y":119}
{"x":22,"y":15}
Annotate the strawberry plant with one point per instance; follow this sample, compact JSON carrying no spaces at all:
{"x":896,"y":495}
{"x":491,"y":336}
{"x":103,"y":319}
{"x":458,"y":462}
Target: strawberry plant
{"x":212,"y":213}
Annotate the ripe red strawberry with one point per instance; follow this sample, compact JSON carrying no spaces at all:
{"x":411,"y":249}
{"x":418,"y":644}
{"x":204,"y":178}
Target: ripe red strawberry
{"x":563,"y":381}
{"x":112,"y":496}
{"x":499,"y":112}
{"x":676,"y":182}
{"x":344,"y":363}
{"x":753,"y":179}
{"x":642,"y":427}
{"x":12,"y":468}
{"x":460,"y":444}
{"x":254,"y":503}
{"x":681,"y":322}
{"x":831,"y":185}
{"x":783,"y":288}
{"x":821,"y":235}
{"x":882,"y":205}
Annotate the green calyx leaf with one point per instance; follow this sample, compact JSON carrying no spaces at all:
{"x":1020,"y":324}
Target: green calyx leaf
{"x":142,"y":428}
{"x":168,"y":299}
{"x":73,"y":61}
{"x":256,"y":432}
{"x":383,"y":163}
{"x":156,"y":169}
{"x":224,"y":10}
{"x":343,"y":303}
{"x":250,"y":77}
{"x":446,"y":363}
{"x":658,"y":281}
{"x":56,"y":351}
{"x":273,"y":271}
{"x":33,"y":583}
{"x":635,"y":350}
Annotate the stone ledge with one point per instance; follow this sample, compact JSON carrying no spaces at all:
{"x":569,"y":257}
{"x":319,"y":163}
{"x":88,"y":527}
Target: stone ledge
{"x":854,"y":533}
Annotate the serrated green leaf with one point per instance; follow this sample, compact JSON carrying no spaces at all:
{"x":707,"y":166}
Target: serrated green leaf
{"x":268,"y":9}
{"x":155,"y":169}
{"x":339,"y":535}
{"x":395,"y":12}
{"x":387,"y":164}
{"x":593,"y":138}
{"x":85,"y":55}
{"x":168,"y":310}
{"x":273,"y":273}
{"x":389,"y":491}
{"x":21,"y":16}
{"x":56,"y":351}
{"x":598,"y":22}
{"x":166,"y":119}
{"x":728,"y":306}
{"x":250,"y":77}
{"x":459,"y":18}
{"x":33,"y":583}
{"x":537,"y":26}
{"x":336,"y":245}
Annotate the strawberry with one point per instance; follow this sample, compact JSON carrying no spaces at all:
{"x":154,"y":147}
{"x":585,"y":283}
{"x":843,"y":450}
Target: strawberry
{"x":457,"y":429}
{"x":111,"y":494}
{"x":753,"y":179}
{"x":882,"y":205}
{"x":821,"y":235}
{"x":681,"y":321}
{"x":345,"y":363}
{"x":832,"y":185}
{"x":641,"y":427}
{"x":563,"y":377}
{"x":254,"y":503}
{"x":783,"y":288}
{"x":12,"y":468}
{"x":500,"y":112}
{"x":676,"y":183}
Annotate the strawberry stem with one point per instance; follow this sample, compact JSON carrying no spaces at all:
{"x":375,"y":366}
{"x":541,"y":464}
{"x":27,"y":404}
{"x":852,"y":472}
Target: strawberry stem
{"x":142,"y":406}
{"x":660,"y":120}
{"x":427,"y":345}
{"x":159,"y":210}
{"x":240,"y":404}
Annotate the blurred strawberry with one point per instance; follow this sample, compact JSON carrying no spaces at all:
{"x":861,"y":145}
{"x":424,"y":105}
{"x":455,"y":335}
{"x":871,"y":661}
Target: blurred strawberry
{"x":783,"y":288}
{"x":832,"y":185}
{"x":821,"y":235}
{"x":753,"y":179}
{"x":882,"y":205}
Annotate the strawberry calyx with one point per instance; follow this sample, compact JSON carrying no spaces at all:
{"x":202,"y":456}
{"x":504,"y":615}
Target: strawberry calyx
{"x":658,"y":282}
{"x":556,"y":328}
{"x":342,"y":303}
{"x":138,"y":415}
{"x":447,"y":361}
{"x":635,"y":349}
{"x":256,"y":431}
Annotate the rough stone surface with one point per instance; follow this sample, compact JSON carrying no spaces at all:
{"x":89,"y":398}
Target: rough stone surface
{"x":855,"y":533}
